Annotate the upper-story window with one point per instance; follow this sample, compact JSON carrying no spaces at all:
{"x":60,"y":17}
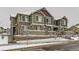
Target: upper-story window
{"x":63,"y":22}
{"x":48,"y":20}
{"x":19,"y":17}
{"x":38,"y":18}
{"x":26,"y":18}
{"x":57,"y":22}
{"x":22,"y":18}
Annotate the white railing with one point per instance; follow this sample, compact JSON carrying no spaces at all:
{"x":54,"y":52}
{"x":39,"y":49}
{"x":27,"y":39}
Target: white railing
{"x":36,"y":24}
{"x":37,"y":30}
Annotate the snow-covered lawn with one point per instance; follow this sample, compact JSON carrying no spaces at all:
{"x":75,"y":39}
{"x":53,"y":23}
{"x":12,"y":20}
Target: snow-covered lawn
{"x":48,"y":40}
{"x":3,"y":40}
{"x":75,"y":38}
{"x":17,"y":46}
{"x":32,"y":43}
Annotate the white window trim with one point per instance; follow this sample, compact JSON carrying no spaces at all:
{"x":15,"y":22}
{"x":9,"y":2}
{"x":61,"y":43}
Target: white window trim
{"x":36,"y":30}
{"x":39,"y":18}
{"x":49,"y":19}
{"x":64,"y":22}
{"x":26,"y":20}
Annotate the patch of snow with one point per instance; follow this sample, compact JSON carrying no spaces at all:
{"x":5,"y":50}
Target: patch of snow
{"x":16,"y":46}
{"x":3,"y":39}
{"x":75,"y":38}
{"x":48,"y":40}
{"x":77,"y":26}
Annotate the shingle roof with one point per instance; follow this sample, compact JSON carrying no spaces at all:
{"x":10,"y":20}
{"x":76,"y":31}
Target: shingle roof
{"x":43,"y":10}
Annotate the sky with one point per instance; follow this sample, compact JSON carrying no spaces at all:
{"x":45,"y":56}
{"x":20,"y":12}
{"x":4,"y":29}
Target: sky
{"x":72,"y":13}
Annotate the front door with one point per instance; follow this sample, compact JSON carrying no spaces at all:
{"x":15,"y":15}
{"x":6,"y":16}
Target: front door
{"x":13,"y":30}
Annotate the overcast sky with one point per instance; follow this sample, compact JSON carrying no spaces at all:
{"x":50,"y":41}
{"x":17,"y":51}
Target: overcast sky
{"x":72,"y":13}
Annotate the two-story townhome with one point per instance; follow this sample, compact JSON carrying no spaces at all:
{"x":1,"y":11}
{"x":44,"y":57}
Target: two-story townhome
{"x":40,"y":22}
{"x":19,"y":24}
{"x":60,"y":25}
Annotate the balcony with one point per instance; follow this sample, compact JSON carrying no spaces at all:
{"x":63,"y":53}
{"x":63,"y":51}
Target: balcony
{"x":37,"y":24}
{"x":37,"y":30}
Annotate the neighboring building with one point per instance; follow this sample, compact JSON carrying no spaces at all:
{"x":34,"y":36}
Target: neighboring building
{"x":4,"y":36}
{"x":40,"y":22}
{"x":8,"y":31}
{"x":60,"y":25}
{"x":75,"y":29}
{"x":2,"y":30}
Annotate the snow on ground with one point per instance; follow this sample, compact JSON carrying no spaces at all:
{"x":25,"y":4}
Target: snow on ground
{"x":31,"y":43}
{"x":4,"y":34}
{"x":3,"y":39}
{"x":34,"y":35}
{"x":75,"y":38}
{"x":17,"y":46}
{"x":48,"y":40}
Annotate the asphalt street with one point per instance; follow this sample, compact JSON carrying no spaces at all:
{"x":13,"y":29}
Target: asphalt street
{"x":67,"y":47}
{"x":62,"y":47}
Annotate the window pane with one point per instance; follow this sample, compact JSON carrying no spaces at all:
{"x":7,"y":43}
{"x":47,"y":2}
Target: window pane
{"x":23,"y":18}
{"x":26,"y":18}
{"x":36,"y":18}
{"x":40,"y":18}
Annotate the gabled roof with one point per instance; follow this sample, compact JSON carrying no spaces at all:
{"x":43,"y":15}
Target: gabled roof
{"x":11,"y":17}
{"x":77,"y":25}
{"x":64,"y":17}
{"x":72,"y":28}
{"x":43,"y":11}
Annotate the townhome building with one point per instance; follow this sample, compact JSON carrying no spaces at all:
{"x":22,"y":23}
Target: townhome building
{"x":60,"y":25}
{"x":40,"y":22}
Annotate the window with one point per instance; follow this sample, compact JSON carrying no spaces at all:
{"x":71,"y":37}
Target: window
{"x":19,"y":17}
{"x":40,"y":18}
{"x":46,"y":20}
{"x":55,"y":29}
{"x":41,"y":27}
{"x":49,"y":28}
{"x":37,"y":18}
{"x":63,"y":22}
{"x":26,"y":18}
{"x":24,"y":27}
{"x":57,"y":22}
{"x":36,"y":28}
{"x":23,"y":18}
